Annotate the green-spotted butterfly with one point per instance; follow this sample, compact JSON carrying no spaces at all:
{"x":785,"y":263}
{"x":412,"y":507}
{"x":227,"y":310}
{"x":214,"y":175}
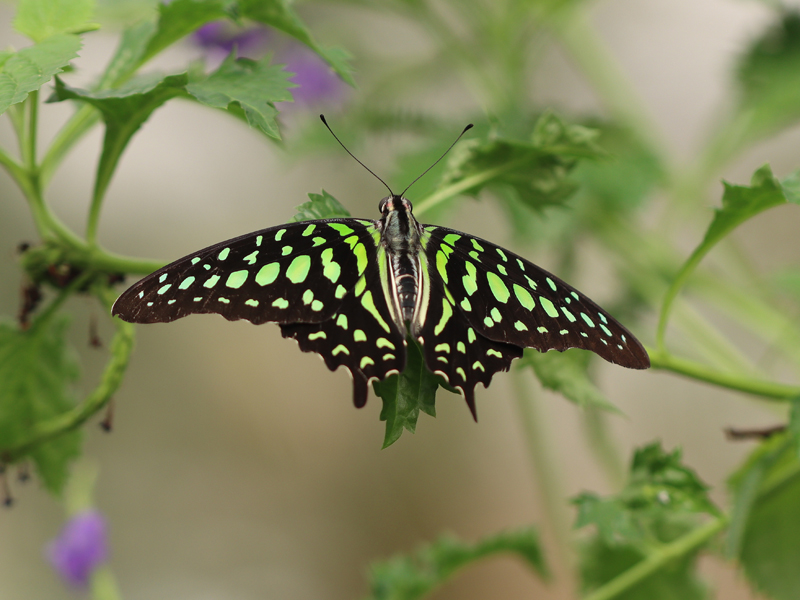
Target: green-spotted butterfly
{"x":354,"y":290}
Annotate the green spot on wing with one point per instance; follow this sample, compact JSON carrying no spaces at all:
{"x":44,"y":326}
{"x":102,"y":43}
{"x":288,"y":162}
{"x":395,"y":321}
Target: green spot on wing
{"x":588,"y":321}
{"x":211,"y":281}
{"x":298,"y":269}
{"x":281,"y":303}
{"x":359,"y":335}
{"x":236,"y":279}
{"x":498,"y":288}
{"x":187,"y":282}
{"x":164,"y":288}
{"x":224,"y":254}
{"x":341,"y":228}
{"x":447,"y":312}
{"x":524,"y":297}
{"x":268,"y":273}
{"x":548,"y":307}
{"x":368,"y":303}
{"x":309,"y":230}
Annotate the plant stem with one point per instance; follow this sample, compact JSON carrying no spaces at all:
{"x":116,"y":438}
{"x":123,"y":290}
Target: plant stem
{"x":601,"y":69}
{"x":544,"y":471}
{"x":463,"y":185}
{"x":67,"y":136}
{"x":660,"y":359}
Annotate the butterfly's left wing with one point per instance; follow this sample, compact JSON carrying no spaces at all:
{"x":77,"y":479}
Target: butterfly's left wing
{"x":362,"y":336}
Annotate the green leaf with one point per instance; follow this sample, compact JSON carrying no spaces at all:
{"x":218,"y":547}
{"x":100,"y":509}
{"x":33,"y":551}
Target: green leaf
{"x":279,"y":14}
{"x":412,"y":577}
{"x":600,"y":563}
{"x":36,"y":371}
{"x":769,"y":552}
{"x":660,"y":489}
{"x":769,"y":78}
{"x":128,"y":56}
{"x":739,"y":203}
{"x":537,"y":170}
{"x":659,"y":478}
{"x":42,"y":19}
{"x":124,"y":111}
{"x":404,"y":395}
{"x":661,"y":502}
{"x":568,"y":374}
{"x":621,"y":181}
{"x":320,"y":206}
{"x":29,"y":69}
{"x":251,"y":86}
{"x":611,"y":516}
{"x":178,"y":19}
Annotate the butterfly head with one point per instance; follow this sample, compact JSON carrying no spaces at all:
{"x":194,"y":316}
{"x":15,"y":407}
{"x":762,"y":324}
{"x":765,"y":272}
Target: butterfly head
{"x":394,"y":203}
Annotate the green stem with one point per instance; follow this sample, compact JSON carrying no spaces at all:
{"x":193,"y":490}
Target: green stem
{"x":658,"y":559}
{"x":602,"y":445}
{"x":67,"y":136}
{"x":465,"y":184}
{"x":121,"y":347}
{"x":29,"y":158}
{"x":544,"y":471}
{"x":601,"y":69}
{"x":660,"y":359}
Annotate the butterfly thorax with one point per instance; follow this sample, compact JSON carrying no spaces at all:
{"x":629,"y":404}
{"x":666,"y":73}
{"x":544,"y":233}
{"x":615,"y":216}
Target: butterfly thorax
{"x":400,"y":237}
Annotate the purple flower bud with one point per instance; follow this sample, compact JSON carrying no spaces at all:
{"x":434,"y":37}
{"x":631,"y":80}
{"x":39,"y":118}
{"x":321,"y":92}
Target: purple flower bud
{"x":80,"y":547}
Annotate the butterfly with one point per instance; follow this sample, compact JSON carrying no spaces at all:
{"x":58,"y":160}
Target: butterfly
{"x":358,"y":291}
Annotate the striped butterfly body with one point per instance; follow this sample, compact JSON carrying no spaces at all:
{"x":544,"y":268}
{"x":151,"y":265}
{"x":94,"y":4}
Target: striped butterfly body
{"x":353,"y":290}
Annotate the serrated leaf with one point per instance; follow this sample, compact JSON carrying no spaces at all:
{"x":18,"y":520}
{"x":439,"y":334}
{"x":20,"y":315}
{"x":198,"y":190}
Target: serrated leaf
{"x":412,"y":577}
{"x":537,"y":170}
{"x":406,"y":394}
{"x":769,"y":77}
{"x":36,"y":372}
{"x":280,"y":15}
{"x":42,"y":19}
{"x":660,"y":477}
{"x":660,"y":490}
{"x":661,"y":502}
{"x":320,"y":206}
{"x":567,"y":373}
{"x":769,"y":552}
{"x":740,"y":203}
{"x":252,"y":86}
{"x":29,"y":69}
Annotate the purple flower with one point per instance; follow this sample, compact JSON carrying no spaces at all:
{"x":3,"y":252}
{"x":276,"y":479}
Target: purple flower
{"x":80,"y":547}
{"x":316,"y":80}
{"x":220,"y":37}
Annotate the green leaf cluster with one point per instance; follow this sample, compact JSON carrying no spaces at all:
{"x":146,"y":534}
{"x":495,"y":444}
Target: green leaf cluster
{"x":659,"y":505}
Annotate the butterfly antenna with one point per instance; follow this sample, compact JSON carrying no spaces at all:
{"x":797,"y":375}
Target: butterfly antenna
{"x":466,"y":129}
{"x":353,"y":155}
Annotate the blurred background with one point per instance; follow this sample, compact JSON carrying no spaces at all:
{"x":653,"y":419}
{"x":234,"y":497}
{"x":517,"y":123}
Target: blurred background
{"x":238,"y":467}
